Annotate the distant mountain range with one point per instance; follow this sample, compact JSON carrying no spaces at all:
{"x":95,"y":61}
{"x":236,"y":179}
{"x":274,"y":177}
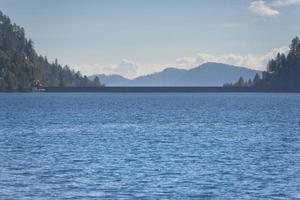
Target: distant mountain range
{"x":208,"y":74}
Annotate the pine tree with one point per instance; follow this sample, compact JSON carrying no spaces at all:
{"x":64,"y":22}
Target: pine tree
{"x":256,"y":79}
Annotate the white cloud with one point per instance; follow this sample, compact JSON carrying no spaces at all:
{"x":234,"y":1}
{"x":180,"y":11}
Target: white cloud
{"x":126,"y":68}
{"x":131,"y":69}
{"x":250,"y":60}
{"x":260,"y":8}
{"x":285,"y":2}
{"x":89,"y":69}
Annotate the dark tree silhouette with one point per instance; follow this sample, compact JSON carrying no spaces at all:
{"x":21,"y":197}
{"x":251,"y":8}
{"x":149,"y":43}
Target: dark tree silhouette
{"x":256,"y":79}
{"x":283,"y":72}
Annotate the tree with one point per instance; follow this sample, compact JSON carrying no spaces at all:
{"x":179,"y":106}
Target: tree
{"x":271,"y":66}
{"x":249,"y":82}
{"x":294,"y":47}
{"x":256,"y":79}
{"x":30,"y":50}
{"x":11,"y":81}
{"x":240,"y":83}
{"x":96,"y":82}
{"x":85,"y":81}
{"x":2,"y":84}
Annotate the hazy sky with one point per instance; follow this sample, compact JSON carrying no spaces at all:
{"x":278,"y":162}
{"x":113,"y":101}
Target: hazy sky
{"x":134,"y":37}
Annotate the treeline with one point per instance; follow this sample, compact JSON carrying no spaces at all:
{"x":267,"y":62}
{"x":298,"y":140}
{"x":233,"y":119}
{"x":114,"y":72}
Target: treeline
{"x":21,"y":68}
{"x":242,"y":83}
{"x":283,"y":72}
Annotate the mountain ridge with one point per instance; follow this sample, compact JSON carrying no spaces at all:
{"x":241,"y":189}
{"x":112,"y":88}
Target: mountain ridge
{"x":207,"y":74}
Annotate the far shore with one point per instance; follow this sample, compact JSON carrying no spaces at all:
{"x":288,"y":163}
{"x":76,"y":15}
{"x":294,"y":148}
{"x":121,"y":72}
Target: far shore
{"x":168,"y":90}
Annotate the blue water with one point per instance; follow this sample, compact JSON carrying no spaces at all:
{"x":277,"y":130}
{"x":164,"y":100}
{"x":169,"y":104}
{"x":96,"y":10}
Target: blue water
{"x":149,"y":146}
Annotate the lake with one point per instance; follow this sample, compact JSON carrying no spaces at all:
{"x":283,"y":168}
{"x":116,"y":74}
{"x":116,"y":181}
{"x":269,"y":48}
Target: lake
{"x":149,"y":146}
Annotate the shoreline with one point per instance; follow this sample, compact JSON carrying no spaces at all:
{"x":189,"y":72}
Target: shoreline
{"x":165,"y":90}
{"x":153,"y":90}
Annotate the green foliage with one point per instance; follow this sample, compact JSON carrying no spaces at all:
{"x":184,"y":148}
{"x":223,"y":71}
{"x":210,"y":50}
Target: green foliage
{"x":256,"y":79}
{"x":240,"y":83}
{"x":283,"y":72}
{"x":21,"y":66}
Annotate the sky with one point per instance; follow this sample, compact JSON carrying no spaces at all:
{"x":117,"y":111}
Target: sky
{"x":137,"y":37}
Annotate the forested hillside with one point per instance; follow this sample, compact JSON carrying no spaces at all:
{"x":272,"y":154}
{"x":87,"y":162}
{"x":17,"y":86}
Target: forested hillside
{"x":282,"y":74}
{"x":21,"y":68}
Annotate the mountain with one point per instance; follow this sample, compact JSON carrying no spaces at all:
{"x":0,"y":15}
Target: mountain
{"x":111,"y":80}
{"x":168,"y":77}
{"x":21,"y":68}
{"x":208,"y":74}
